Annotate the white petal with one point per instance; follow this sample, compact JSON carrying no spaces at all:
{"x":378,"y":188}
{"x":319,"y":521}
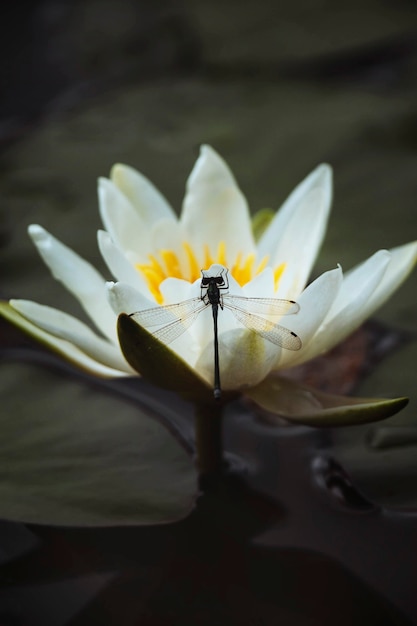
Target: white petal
{"x":261,"y":286}
{"x":296,"y":233}
{"x":245,"y":359}
{"x":62,"y":347}
{"x":149,"y":203}
{"x":67,"y":327}
{"x":120,"y":219}
{"x":124,"y":298}
{"x":215,"y":209}
{"x":169,"y":235}
{"x":352,"y":306}
{"x":117,"y":263}
{"x":175,"y":290}
{"x":78,"y":276}
{"x":403,"y":260}
{"x":315,"y":303}
{"x":359,"y":284}
{"x":369,"y":297}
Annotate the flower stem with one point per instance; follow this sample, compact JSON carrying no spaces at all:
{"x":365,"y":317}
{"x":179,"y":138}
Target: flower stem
{"x":209,"y":440}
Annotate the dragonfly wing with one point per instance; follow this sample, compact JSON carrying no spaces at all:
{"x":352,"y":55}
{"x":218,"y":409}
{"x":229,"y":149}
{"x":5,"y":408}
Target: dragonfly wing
{"x":278,"y":335}
{"x":174,"y":318}
{"x":166,"y":314}
{"x":265,"y":306}
{"x":171,"y":331}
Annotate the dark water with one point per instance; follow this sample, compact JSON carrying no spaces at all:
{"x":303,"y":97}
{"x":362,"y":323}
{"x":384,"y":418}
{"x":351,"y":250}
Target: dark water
{"x":283,"y":537}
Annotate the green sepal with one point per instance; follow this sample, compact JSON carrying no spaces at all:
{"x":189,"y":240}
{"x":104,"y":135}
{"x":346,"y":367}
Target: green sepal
{"x":304,"y":405}
{"x":160,"y":365}
{"x":260,"y":222}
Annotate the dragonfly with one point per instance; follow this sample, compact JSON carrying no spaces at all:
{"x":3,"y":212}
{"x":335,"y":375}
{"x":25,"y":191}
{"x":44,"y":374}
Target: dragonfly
{"x":175,"y":319}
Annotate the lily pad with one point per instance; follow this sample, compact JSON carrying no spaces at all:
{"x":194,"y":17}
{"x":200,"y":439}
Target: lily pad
{"x":78,"y":459}
{"x":298,"y":403}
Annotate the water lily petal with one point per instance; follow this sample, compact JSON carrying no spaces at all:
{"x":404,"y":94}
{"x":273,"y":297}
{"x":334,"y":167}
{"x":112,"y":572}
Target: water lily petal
{"x":62,"y":347}
{"x":261,"y":286}
{"x":176,"y":290}
{"x":403,"y":259}
{"x":168,"y":235}
{"x":157,"y":260}
{"x":142,"y":194}
{"x":118,"y":264}
{"x":67,"y":327}
{"x":122,"y":222}
{"x":78,"y":276}
{"x":123,"y":298}
{"x":315,"y":303}
{"x":245,"y":359}
{"x":295,"y":235}
{"x":359,"y":284}
{"x":215,"y":209}
{"x":365,"y":288}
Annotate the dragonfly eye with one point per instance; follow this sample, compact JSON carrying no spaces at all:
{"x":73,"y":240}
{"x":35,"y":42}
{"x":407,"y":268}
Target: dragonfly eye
{"x":204,"y":281}
{"x":219,"y":280}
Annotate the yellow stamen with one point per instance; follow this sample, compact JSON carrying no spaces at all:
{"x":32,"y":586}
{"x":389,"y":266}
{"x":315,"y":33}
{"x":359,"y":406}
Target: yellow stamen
{"x":208,"y":259}
{"x":154,"y":280}
{"x":248,"y":267}
{"x":262,"y":265}
{"x":172,"y":264}
{"x":195,"y":270}
{"x":278,"y":272}
{"x":168,"y":263}
{"x":221,"y":253}
{"x":238,"y":259}
{"x":239,"y":270}
{"x":155,"y":265}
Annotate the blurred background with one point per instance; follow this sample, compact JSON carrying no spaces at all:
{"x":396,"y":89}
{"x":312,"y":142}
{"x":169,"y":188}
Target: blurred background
{"x":275,"y":87}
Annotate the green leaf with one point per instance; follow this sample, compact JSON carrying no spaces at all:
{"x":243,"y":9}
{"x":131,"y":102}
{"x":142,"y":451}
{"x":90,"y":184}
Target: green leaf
{"x":160,"y":365}
{"x":73,"y":457}
{"x":305,"y":405}
{"x":260,"y":222}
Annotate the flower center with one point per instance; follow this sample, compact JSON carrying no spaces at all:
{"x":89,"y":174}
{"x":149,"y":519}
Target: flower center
{"x":169,"y":264}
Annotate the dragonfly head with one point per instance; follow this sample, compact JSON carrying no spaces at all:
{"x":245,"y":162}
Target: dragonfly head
{"x":215,"y":276}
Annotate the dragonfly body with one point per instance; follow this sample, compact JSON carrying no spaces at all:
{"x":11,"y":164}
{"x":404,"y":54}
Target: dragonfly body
{"x":212,"y":285}
{"x":174,"y":319}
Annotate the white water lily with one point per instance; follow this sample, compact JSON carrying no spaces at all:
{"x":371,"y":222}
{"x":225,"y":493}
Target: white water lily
{"x":157,"y":258}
